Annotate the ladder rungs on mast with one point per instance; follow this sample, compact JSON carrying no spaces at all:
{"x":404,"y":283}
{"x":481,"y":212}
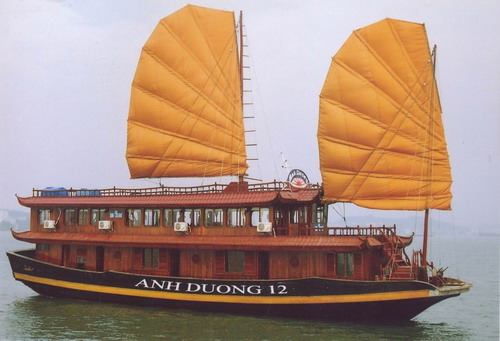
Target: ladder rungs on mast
{"x":251,"y":144}
{"x":252,"y":159}
{"x":248,"y":116}
{"x":250,"y":131}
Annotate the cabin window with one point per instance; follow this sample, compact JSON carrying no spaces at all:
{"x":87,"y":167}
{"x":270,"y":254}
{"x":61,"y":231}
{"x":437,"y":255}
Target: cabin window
{"x":259,"y":215}
{"x":236,"y":217}
{"x":97,"y":214}
{"x":152,"y":217}
{"x":235,"y":261}
{"x":192,"y":217}
{"x":171,"y":216}
{"x":320,"y":215}
{"x":344,"y":264}
{"x":298,"y":215}
{"x":70,"y":217}
{"x":43,"y":214}
{"x":214,"y":216}
{"x":83,"y":216}
{"x":134,"y":217}
{"x":167,"y":217}
{"x":81,"y":258}
{"x":151,"y":258}
{"x":42,"y":247}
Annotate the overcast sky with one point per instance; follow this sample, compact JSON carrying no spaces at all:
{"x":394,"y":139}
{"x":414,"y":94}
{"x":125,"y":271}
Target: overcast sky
{"x":67,"y":66}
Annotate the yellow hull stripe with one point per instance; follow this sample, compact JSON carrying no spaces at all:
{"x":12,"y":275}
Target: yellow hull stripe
{"x":256,"y":299}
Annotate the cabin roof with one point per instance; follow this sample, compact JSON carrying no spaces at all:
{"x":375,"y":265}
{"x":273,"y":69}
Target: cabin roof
{"x":264,"y":242}
{"x":175,"y":200}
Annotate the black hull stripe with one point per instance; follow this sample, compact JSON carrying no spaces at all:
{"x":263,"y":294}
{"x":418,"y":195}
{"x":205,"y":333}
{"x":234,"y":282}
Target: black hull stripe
{"x":236,"y":299}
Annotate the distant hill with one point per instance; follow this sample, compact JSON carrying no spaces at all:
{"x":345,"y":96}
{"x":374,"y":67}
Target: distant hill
{"x":406,"y":225}
{"x":17,"y":220}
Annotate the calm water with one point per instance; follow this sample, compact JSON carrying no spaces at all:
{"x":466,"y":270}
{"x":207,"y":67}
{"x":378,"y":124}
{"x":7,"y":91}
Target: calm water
{"x":473,"y":316}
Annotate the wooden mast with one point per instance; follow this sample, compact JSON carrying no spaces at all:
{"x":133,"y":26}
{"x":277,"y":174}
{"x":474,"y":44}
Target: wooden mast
{"x":426,"y":218}
{"x":426,"y":232}
{"x":240,"y":178}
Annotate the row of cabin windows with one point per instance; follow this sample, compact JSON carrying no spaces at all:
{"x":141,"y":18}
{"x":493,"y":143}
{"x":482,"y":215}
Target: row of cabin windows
{"x":152,"y":217}
{"x":234,"y":260}
{"x":72,"y":216}
{"x":212,"y":216}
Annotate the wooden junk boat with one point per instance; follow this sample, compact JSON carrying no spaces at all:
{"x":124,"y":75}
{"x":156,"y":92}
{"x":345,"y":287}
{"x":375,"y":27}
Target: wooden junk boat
{"x":256,"y":248}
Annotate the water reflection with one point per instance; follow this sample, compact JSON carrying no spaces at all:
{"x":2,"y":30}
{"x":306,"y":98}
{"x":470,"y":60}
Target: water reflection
{"x":42,"y":318}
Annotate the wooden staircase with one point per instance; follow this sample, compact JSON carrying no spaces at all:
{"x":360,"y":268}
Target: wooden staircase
{"x":397,"y":267}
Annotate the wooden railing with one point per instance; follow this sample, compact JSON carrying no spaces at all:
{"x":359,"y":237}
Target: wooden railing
{"x":337,"y":231}
{"x":162,"y":190}
{"x":341,"y":231}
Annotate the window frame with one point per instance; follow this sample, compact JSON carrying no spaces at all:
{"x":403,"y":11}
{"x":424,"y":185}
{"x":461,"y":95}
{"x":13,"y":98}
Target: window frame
{"x":194,"y":214}
{"x":261,"y":214}
{"x":344,"y":264}
{"x":217,"y":217}
{"x":70,"y":216}
{"x":43,"y":215}
{"x":239,"y":216}
{"x":151,"y":258}
{"x":83,"y":216}
{"x":235,"y":261}
{"x":134,"y":217}
{"x":99,"y":213}
{"x":152,"y":217}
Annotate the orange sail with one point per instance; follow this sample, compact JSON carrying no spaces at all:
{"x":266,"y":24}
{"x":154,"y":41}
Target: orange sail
{"x":185,"y":116}
{"x":380,"y":135}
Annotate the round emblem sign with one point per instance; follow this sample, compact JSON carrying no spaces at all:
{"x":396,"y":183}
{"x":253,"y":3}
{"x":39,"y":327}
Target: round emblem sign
{"x":297,"y":178}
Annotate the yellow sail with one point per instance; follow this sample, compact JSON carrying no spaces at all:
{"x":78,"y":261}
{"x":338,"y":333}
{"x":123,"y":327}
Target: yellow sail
{"x":185,"y":117}
{"x":380,"y":135}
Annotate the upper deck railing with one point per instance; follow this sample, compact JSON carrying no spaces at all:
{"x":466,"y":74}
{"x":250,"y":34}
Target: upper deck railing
{"x":162,"y":190}
{"x":342,"y":231}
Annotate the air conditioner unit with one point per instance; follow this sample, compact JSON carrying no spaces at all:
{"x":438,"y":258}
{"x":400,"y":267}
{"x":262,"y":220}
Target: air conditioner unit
{"x":105,"y":225}
{"x":265,"y":227}
{"x":181,"y":226}
{"x":49,"y":224}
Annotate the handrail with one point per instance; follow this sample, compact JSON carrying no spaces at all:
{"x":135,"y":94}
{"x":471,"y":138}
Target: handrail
{"x":362,"y":231}
{"x":162,"y":190}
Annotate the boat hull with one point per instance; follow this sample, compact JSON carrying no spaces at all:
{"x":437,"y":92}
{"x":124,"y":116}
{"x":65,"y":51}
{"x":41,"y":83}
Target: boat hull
{"x":311,"y":298}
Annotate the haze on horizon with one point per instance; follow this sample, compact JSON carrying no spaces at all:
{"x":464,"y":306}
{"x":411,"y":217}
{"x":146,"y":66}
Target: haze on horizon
{"x":67,"y":68}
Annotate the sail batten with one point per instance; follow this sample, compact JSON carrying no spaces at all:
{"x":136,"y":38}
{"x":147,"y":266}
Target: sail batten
{"x":410,"y":93}
{"x":191,"y":86}
{"x":185,"y":116}
{"x":208,"y":123}
{"x":380,"y":134}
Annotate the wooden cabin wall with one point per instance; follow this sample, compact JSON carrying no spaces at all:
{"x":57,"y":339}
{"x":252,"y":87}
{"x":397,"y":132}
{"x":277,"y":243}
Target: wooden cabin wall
{"x":88,"y":252}
{"x":118,"y":259}
{"x":164,"y":263}
{"x":287,"y":265}
{"x":372,"y":267}
{"x":197,"y":263}
{"x":52,"y":255}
